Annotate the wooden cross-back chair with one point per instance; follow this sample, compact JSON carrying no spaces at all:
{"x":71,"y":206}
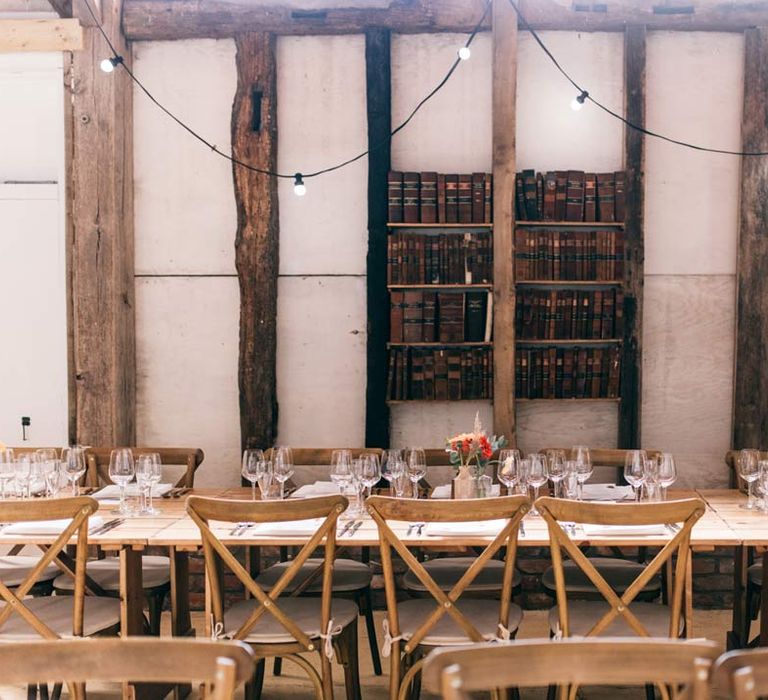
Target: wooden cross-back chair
{"x":221,"y":666}
{"x":188,"y":457}
{"x":743,"y":673}
{"x":273,"y":624}
{"x":681,"y":665}
{"x":620,"y":614}
{"x":419,"y":624}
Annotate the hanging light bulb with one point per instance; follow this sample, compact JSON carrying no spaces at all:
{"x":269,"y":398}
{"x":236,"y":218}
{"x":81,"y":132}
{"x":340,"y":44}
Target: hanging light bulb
{"x":464,"y":53}
{"x":109,"y":64}
{"x":299,"y":188}
{"x":578,"y":102}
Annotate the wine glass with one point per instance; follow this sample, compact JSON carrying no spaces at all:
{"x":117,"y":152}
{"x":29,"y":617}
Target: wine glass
{"x":634,"y":470}
{"x":73,"y":461}
{"x":667,"y":473}
{"x":537,"y":476}
{"x":149,"y":471}
{"x":400,"y":481}
{"x":371,"y":470}
{"x":391,"y":465}
{"x":651,"y":484}
{"x":749,"y":470}
{"x":555,"y":466}
{"x":570,"y":487}
{"x":507,"y":468}
{"x":121,"y":471}
{"x":417,"y":467}
{"x":341,"y":469}
{"x":250,"y":468}
{"x":49,"y":468}
{"x":7,"y":471}
{"x":580,"y":454}
{"x":282,"y":466}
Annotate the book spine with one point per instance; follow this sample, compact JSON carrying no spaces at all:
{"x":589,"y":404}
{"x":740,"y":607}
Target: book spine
{"x":412,"y":317}
{"x":520,"y":213}
{"x":428,"y":200}
{"x":530,"y":195}
{"x":452,"y":199}
{"x":561,"y":190}
{"x":478,"y":198}
{"x":550,"y":190}
{"x":411,"y":198}
{"x":590,"y":197}
{"x":574,"y":203}
{"x":488,"y":198}
{"x":429,"y":301}
{"x":441,"y":213}
{"x":395,"y":197}
{"x":620,"y":195}
{"x":465,"y":199}
{"x":396,"y":317}
{"x":606,"y":197}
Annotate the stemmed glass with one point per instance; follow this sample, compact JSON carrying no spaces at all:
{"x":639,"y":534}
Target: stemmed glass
{"x":371,"y":471}
{"x":73,"y":461}
{"x":749,"y":470}
{"x":537,"y":476}
{"x":252,"y":459}
{"x":555,"y":469}
{"x":7,"y":471}
{"x":341,"y":469}
{"x":570,"y":485}
{"x":507,"y":469}
{"x":667,"y":473}
{"x":651,"y":479}
{"x":391,"y":466}
{"x":580,"y":454}
{"x":282,"y":467}
{"x":417,"y":468}
{"x":265,"y":478}
{"x":634,"y":470}
{"x":49,"y":466}
{"x":121,"y":471}
{"x":148,"y":473}
{"x":23,"y":473}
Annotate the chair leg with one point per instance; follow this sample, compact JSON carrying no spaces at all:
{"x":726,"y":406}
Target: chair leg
{"x":277,"y":667}
{"x":32,"y":692}
{"x":43,"y":688}
{"x":155,"y":606}
{"x":650,"y":691}
{"x":365,"y":604}
{"x":254,"y":686}
{"x":56,"y":694}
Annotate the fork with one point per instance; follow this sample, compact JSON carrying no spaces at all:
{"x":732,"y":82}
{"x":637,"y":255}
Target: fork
{"x":238,"y":528}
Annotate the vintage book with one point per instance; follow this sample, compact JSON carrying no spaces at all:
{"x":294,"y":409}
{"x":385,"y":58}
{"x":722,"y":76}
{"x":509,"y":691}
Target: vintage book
{"x":590,"y":197}
{"x":429,"y":316}
{"x":450,"y":314}
{"x":441,"y":375}
{"x":399,"y":372}
{"x":488,"y":317}
{"x":478,"y":198}
{"x":618,"y":315}
{"x":608,"y":325}
{"x":550,"y":189}
{"x":417,"y":374}
{"x":488,"y":199}
{"x":597,"y":373}
{"x":392,"y":268}
{"x":474,"y":316}
{"x":596,"y":313}
{"x":412,"y":316}
{"x":605,"y":197}
{"x":441,"y":199}
{"x":465,"y":198}
{"x":530,"y":195}
{"x":429,"y":375}
{"x":580,"y":387}
{"x":452,"y":199}
{"x":411,"y":198}
{"x":620,"y":205}
{"x":561,"y":179}
{"x":454,"y":374}
{"x":614,"y":373}
{"x":396,"y":317}
{"x":568,"y":373}
{"x":391,"y":375}
{"x":574,"y":202}
{"x":395,"y":197}
{"x":428,"y":200}
{"x":539,"y":196}
{"x":520,"y":213}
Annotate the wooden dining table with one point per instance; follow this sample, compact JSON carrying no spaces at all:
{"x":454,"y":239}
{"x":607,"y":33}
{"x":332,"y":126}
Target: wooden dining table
{"x":723,"y":524}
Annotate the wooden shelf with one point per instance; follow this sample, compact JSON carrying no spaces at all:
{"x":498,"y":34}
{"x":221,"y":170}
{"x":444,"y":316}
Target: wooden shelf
{"x":569,"y":224}
{"x":522,"y":400}
{"x":440,"y":286}
{"x":438,"y":226}
{"x":466,"y":344}
{"x":567,"y":342}
{"x":569,"y":283}
{"x":400,"y":401}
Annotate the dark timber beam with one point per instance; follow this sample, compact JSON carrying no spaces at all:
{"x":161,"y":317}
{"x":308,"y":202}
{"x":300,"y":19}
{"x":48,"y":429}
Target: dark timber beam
{"x":634,"y":162}
{"x":100,"y":189}
{"x":184,"y":19}
{"x":254,"y":141}
{"x":750,"y":407}
{"x":379,"y":108}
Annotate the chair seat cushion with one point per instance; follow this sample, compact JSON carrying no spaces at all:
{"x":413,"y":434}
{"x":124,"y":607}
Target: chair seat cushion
{"x":56,"y":612}
{"x":155,"y":570}
{"x":618,"y":574}
{"x":583,"y":614}
{"x":446,"y":571}
{"x":483,"y":614}
{"x":348,"y":575}
{"x":304,"y":612}
{"x":755,"y":573}
{"x":14,"y":569}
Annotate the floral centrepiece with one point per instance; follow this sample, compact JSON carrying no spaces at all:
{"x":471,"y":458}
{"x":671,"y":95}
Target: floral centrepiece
{"x":473,"y":450}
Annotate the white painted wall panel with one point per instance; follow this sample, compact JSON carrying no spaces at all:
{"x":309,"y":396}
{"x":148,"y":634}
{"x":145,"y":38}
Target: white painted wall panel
{"x":186,"y":357}
{"x":321,"y":116}
{"x":550,"y":135}
{"x":321,"y":372}
{"x":452,"y":132}
{"x":185,"y":215}
{"x":429,"y":424}
{"x":695,"y":91}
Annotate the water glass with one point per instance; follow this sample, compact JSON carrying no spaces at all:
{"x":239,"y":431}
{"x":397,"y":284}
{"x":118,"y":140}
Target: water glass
{"x":121,"y":471}
{"x":507,"y":470}
{"x":749,"y":470}
{"x":23,"y":474}
{"x":7,"y":471}
{"x":49,"y":468}
{"x":570,"y":485}
{"x":266,"y":480}
{"x":252,"y":459}
{"x":149,"y":471}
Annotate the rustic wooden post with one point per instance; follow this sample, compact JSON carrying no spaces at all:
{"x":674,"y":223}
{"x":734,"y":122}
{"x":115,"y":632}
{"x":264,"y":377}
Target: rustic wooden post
{"x":634,"y":147}
{"x":504,"y":91}
{"x":379,"y":108}
{"x":100,"y":189}
{"x":750,"y":408}
{"x":254,"y":141}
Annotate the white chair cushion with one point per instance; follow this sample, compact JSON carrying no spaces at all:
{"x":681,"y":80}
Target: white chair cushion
{"x":305,"y":613}
{"x":14,"y":569}
{"x":583,"y":614}
{"x":483,"y":614}
{"x":755,"y":573}
{"x":348,"y":575}
{"x":56,"y":612}
{"x":618,"y":574}
{"x":446,"y":571}
{"x":156,"y":571}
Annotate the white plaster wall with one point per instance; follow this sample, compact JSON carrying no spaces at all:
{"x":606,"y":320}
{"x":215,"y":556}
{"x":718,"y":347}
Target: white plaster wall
{"x":33,"y":361}
{"x":321,"y":334}
{"x":551,"y":136}
{"x":691,"y":233}
{"x":187,"y":298}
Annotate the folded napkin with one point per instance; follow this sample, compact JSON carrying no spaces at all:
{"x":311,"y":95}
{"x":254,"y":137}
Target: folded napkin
{"x":592,"y":530}
{"x":606,"y":492}
{"x":444,"y":491}
{"x":291,"y":528}
{"x":48,"y":527}
{"x":319,"y":488}
{"x":480,"y":528}
{"x":112,"y":491}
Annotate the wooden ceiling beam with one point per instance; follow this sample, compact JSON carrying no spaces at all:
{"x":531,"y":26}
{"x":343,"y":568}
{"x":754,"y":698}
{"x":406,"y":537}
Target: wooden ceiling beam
{"x":186,"y":19}
{"x":40,"y":35}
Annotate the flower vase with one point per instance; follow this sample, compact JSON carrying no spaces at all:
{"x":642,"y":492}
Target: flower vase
{"x":464,"y":485}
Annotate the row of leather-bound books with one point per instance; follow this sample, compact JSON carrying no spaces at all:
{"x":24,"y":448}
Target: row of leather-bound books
{"x":566,"y":314}
{"x":567,"y":373}
{"x":418,"y":316}
{"x":437,"y":198}
{"x":449,"y":258}
{"x":570,"y":195}
{"x":568,"y":255}
{"x":443,"y":374}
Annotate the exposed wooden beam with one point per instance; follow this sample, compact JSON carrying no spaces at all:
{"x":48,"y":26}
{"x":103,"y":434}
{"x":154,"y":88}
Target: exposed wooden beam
{"x":750,"y":408}
{"x":504,"y":77}
{"x":184,"y":19}
{"x":101,"y":258}
{"x":634,"y":159}
{"x":40,"y":35}
{"x":254,"y":140}
{"x":379,"y":107}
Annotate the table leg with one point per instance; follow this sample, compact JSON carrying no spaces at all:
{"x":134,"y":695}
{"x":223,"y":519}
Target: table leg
{"x":764,"y":604}
{"x":181,"y":623}
{"x":737,"y":637}
{"x":131,"y":603}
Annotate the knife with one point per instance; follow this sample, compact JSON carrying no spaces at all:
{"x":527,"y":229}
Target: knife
{"x":355,"y":528}
{"x":346,"y":527}
{"x":111,"y":525}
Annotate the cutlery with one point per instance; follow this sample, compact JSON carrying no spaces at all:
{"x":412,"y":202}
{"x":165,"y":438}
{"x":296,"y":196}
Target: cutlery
{"x":236,"y":530}
{"x":106,"y":527}
{"x":346,"y":527}
{"x":420,"y":527}
{"x":245,"y":529}
{"x":410,"y":527}
{"x":178,"y":493}
{"x":673,"y":528}
{"x":522,"y":529}
{"x":355,"y":528}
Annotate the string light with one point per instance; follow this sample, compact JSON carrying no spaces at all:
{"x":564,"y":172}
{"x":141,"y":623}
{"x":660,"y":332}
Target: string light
{"x":578,"y":102}
{"x":299,"y":188}
{"x":109,"y":64}
{"x":464,"y":53}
